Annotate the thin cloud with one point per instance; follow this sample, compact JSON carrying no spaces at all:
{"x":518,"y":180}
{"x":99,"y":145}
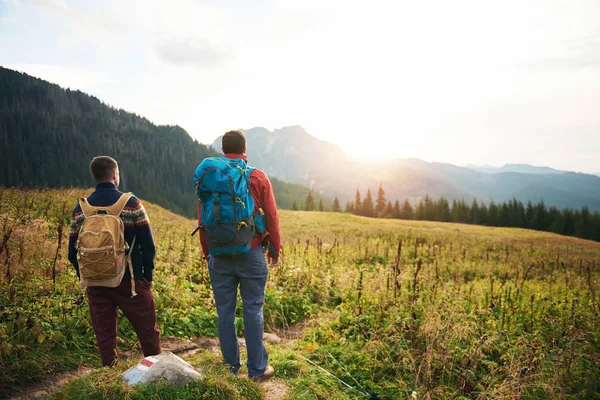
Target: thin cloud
{"x":55,"y":7}
{"x":575,"y":52}
{"x":107,"y":32}
{"x":587,"y":51}
{"x":590,"y":59}
{"x":68,"y":77}
{"x":49,"y":4}
{"x":585,"y":54}
{"x":78,"y":28}
{"x":191,"y":52}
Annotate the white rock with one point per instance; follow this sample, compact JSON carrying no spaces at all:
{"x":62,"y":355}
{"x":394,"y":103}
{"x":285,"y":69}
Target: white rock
{"x":165,"y":366}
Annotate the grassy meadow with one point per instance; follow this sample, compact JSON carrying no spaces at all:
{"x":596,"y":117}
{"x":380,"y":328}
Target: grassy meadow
{"x":399,"y":309}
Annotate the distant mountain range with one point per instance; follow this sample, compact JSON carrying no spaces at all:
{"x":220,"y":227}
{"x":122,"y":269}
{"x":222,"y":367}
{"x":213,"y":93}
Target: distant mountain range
{"x":294,"y":155}
{"x":518,"y":168}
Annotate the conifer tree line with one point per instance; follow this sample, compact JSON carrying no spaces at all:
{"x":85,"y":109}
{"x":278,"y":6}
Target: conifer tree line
{"x":580,"y":223}
{"x":313,"y":202}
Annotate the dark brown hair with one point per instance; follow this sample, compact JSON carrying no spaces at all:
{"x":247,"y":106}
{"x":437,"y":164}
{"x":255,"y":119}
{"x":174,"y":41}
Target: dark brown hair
{"x":102,"y":168}
{"x":234,"y":142}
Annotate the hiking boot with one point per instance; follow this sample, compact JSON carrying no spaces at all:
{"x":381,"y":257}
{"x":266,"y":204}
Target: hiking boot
{"x":268,"y":374}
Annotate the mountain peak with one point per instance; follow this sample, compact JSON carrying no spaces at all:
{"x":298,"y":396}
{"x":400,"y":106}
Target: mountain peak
{"x":257,"y":130}
{"x":291,"y":130}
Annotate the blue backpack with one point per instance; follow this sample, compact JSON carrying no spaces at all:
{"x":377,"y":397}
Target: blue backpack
{"x":227,"y":207}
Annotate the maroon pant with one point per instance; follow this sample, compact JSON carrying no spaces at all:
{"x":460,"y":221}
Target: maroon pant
{"x":140,"y":311}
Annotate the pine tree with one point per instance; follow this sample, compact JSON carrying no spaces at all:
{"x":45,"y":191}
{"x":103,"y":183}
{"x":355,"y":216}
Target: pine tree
{"x":454,"y":211}
{"x":381,"y":201}
{"x":321,"y":206}
{"x":529,"y":215}
{"x":357,"y":203}
{"x":463,"y":212}
{"x":336,"y":205}
{"x":442,"y":210}
{"x":582,"y":226}
{"x":520,"y":210}
{"x":294,"y":206}
{"x":540,"y":220}
{"x":396,"y":212}
{"x":309,"y":203}
{"x":349,"y":207}
{"x":420,"y":211}
{"x":558,"y":222}
{"x":569,"y":224}
{"x":429,"y":208}
{"x":493,"y":214}
{"x":389,"y":210}
{"x":407,"y":210}
{"x":595,"y":226}
{"x":474,"y":212}
{"x":368,"y":209}
{"x":483,"y":214}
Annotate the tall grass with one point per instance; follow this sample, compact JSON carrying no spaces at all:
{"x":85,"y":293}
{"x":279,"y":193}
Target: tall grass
{"x":443,"y":310}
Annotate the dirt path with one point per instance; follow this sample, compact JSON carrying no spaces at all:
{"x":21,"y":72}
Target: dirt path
{"x":274,"y":389}
{"x":43,"y":389}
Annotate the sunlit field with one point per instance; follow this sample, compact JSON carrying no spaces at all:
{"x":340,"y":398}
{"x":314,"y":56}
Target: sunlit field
{"x":396,"y":308}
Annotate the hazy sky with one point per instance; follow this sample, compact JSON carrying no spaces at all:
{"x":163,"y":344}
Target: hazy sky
{"x":461,"y":81}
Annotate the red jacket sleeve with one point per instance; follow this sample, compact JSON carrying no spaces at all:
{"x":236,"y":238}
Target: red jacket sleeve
{"x":262,"y":192}
{"x":202,"y":238}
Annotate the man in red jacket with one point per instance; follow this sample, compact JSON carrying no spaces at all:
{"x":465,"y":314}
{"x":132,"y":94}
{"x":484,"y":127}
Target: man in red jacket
{"x":248,"y":271}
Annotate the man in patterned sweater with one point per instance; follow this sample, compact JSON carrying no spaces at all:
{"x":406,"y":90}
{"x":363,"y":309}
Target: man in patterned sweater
{"x":104,"y":302}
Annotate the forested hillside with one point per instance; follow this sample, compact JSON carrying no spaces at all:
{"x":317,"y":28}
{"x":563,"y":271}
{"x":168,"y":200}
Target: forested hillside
{"x":48,"y":136}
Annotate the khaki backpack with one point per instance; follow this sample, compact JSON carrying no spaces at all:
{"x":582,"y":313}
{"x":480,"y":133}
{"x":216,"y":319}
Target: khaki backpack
{"x":101,"y":245}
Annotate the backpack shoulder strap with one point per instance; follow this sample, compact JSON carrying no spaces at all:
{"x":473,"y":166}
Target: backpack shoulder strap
{"x":86,"y":208}
{"x":116,"y":208}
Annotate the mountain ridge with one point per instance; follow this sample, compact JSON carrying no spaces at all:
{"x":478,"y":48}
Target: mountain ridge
{"x":517,"y":167}
{"x":296,"y":156}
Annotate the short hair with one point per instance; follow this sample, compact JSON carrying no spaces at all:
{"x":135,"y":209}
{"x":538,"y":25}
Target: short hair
{"x":102,"y":168}
{"x":234,"y":142}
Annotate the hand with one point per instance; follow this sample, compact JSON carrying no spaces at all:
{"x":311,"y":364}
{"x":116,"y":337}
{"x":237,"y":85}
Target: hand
{"x":273,"y":261}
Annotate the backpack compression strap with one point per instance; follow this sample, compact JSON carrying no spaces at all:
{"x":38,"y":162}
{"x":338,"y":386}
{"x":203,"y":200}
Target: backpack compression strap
{"x":115,"y":209}
{"x":199,"y":223}
{"x":86,"y":208}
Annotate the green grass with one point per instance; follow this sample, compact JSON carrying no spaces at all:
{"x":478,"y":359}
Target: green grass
{"x":303,"y":380}
{"x":461,"y":311}
{"x":216,"y":383}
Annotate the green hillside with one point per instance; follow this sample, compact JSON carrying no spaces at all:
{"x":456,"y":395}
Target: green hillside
{"x":49,"y":135}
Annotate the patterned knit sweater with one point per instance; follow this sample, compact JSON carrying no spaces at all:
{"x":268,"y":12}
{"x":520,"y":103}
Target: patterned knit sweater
{"x":136,"y":224}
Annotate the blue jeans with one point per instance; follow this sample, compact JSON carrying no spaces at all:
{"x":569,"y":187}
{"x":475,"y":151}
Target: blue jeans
{"x":249,"y":271}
